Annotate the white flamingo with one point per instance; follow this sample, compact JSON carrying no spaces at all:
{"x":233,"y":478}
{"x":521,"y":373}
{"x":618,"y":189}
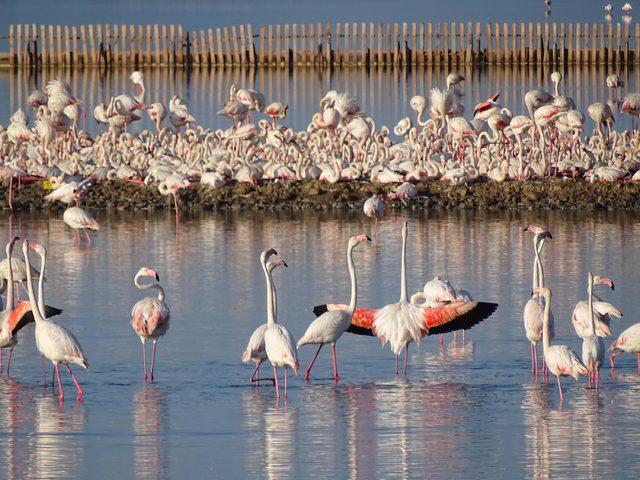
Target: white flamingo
{"x":534,"y":308}
{"x":255,"y":350}
{"x":592,"y":345}
{"x":80,"y":219}
{"x":560,"y":359}
{"x":400,"y":323}
{"x":278,"y":341}
{"x":54,"y":341}
{"x":329,"y":327}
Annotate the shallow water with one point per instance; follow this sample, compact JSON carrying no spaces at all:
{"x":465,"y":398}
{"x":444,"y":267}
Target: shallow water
{"x":383,"y":93}
{"x":467,"y":411}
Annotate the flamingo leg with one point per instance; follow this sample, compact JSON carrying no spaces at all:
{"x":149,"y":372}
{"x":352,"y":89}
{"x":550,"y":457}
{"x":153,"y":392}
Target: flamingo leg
{"x":256,"y":371}
{"x":10,"y":192}
{"x":0,"y":359}
{"x":144,"y":359}
{"x":86,"y":234}
{"x":286,"y":375}
{"x":77,"y":237}
{"x":44,"y":372}
{"x":153,"y":358}
{"x":275,"y":376}
{"x":455,"y":337}
{"x":9,"y":361}
{"x":396,"y":367}
{"x":638,"y":363}
{"x":406,"y":357}
{"x":256,"y":375}
{"x":75,"y":380}
{"x":533,"y":360}
{"x":56,"y":368}
{"x":612,"y":358}
{"x":559,"y":388}
{"x":336,"y":377}
{"x":441,"y":340}
{"x":307,"y":372}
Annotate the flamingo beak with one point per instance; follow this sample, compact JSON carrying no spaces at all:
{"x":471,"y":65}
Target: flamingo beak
{"x":285,"y":264}
{"x":157,"y":277}
{"x":368,"y":238}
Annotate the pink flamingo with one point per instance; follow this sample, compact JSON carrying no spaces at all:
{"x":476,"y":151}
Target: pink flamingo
{"x":150,"y":316}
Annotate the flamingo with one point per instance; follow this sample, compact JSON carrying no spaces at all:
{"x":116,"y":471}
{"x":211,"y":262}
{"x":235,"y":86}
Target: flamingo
{"x":179,"y":114}
{"x":592,"y":345}
{"x":150,"y":316}
{"x":276,"y":110}
{"x":329,"y":327}
{"x":80,"y":219}
{"x":534,"y":309}
{"x":255,"y":347}
{"x":631,"y":106}
{"x":157,"y":113}
{"x":560,"y":359}
{"x":54,"y":341}
{"x":172,"y":185}
{"x":601,"y":114}
{"x":486,"y":109}
{"x":278,"y":341}
{"x":13,"y":319}
{"x":602,"y":313}
{"x":400,"y":323}
{"x":374,"y":206}
{"x":629,"y":342}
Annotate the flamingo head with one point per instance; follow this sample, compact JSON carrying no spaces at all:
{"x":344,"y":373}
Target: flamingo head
{"x":264,"y":256}
{"x":148,"y":272}
{"x":544,"y":291}
{"x":359,"y":239}
{"x":36,"y":247}
{"x":278,"y":262}
{"x":602,"y":280}
{"x":541,"y":232}
{"x":13,"y":241}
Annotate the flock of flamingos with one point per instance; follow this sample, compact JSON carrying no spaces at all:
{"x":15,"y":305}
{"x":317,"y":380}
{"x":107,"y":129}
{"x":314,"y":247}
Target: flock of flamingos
{"x":439,"y":308}
{"x":340,"y":144}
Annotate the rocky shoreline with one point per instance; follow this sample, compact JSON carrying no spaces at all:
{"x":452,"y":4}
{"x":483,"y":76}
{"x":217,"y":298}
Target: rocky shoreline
{"x":312,"y":195}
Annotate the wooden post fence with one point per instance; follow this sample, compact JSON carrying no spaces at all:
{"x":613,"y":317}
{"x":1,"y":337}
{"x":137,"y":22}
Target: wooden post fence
{"x":321,"y":45}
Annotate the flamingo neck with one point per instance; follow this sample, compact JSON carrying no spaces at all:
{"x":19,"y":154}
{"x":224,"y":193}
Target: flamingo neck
{"x":43,"y":257}
{"x":546,"y":341}
{"x":403,"y":264}
{"x":352,"y":274}
{"x":32,"y":298}
{"x":141,"y":286}
{"x":592,"y":321}
{"x":271,"y":309}
{"x":538,"y":244}
{"x":10,"y":279}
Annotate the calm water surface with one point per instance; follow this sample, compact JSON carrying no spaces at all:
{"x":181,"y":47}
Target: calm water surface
{"x":465,"y":411}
